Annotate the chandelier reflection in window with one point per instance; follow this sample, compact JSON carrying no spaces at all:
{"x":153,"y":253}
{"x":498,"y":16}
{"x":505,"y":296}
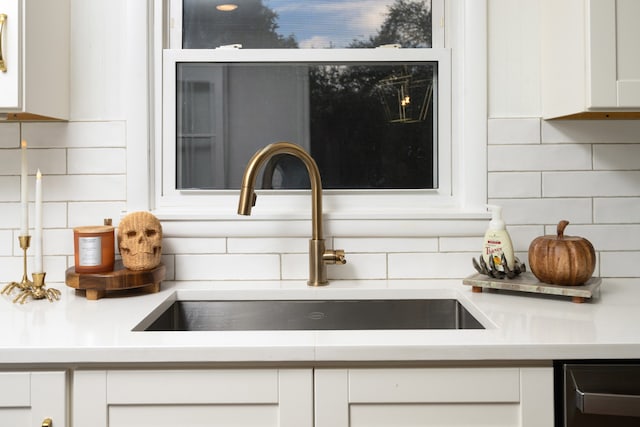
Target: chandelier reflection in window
{"x":405,"y":98}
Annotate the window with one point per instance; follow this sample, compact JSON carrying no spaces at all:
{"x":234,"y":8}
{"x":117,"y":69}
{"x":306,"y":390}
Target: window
{"x":206,"y":70}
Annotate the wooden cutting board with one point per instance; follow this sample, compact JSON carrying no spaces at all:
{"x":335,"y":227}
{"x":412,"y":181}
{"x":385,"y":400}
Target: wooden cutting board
{"x":96,"y":285}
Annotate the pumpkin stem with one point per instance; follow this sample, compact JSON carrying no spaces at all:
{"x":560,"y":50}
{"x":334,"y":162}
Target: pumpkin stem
{"x":561,"y":226}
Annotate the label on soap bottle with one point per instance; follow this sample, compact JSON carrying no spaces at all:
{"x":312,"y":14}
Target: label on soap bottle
{"x":90,"y":251}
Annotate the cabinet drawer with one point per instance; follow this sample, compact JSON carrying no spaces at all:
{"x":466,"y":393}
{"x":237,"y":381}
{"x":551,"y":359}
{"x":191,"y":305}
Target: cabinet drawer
{"x":15,"y":389}
{"x":434,"y":385}
{"x":193,"y":387}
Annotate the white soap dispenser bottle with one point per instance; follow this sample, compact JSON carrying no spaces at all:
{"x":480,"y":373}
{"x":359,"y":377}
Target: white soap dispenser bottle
{"x":497,"y":241}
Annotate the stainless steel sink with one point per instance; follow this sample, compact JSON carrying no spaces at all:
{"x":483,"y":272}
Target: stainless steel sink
{"x":253,"y":315}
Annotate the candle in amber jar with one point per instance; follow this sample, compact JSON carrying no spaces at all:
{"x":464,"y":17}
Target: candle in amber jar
{"x":94,"y":249}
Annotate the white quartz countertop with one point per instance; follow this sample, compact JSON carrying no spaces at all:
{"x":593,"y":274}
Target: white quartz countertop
{"x":518,"y":327}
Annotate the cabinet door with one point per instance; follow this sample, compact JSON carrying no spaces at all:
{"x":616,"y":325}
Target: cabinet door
{"x":434,"y":397}
{"x":35,"y":49}
{"x":628,"y":57}
{"x":28,"y":398}
{"x":613,"y":51}
{"x":10,"y":47}
{"x":190,"y":398}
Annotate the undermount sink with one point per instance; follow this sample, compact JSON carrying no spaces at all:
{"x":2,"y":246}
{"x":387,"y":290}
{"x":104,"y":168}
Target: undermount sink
{"x":353,"y":314}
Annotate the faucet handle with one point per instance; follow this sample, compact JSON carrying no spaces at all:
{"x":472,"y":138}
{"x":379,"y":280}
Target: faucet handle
{"x":335,"y":256}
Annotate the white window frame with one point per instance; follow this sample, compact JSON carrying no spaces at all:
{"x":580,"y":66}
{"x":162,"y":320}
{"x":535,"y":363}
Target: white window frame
{"x":462,"y":195}
{"x":337,"y":202}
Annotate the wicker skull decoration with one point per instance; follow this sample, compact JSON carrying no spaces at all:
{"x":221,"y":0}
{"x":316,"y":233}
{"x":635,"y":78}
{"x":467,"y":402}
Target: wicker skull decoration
{"x":140,"y":241}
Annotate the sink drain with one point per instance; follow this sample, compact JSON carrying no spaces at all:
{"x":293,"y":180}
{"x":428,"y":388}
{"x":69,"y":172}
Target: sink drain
{"x":316,"y":315}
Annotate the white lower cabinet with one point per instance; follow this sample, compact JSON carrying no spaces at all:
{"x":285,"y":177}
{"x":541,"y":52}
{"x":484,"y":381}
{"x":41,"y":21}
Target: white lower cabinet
{"x":29,"y":398}
{"x":190,"y":398}
{"x":414,"y":397}
{"x":318,"y":397}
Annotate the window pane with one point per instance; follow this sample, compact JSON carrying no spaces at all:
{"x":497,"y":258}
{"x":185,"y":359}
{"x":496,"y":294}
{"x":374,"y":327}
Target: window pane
{"x":368,"y":125}
{"x":372,"y":125}
{"x":264,"y":24}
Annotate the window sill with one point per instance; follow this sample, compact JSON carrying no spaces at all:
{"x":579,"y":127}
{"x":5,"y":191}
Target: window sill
{"x":414,"y":223}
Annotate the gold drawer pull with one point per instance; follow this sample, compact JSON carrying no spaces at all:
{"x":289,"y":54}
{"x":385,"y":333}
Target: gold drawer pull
{"x":3,"y":19}
{"x":47,"y":422}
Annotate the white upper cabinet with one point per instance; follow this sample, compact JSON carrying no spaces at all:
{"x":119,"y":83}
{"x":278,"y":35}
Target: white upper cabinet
{"x":34,"y":52}
{"x":590,"y":58}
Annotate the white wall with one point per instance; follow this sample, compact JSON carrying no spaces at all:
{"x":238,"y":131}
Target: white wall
{"x":587,"y":172}
{"x":541,"y":172}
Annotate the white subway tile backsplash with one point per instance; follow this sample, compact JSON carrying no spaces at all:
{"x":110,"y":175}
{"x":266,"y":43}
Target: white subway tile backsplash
{"x":591,"y":184}
{"x":53,"y":221}
{"x":616,"y":156}
{"x":360,"y":266}
{"x":57,"y":242}
{"x":227,"y":267}
{"x":514,"y":184}
{"x":9,"y":135}
{"x":611,"y":210}
{"x":55,"y":267}
{"x":91,"y":161}
{"x":83,"y":187}
{"x":54,"y":215}
{"x":174,"y":245}
{"x":386,"y":244}
{"x":169,"y":265}
{"x":620,"y":264}
{"x":269,"y":245}
{"x":430,"y":265}
{"x":9,"y":215}
{"x":618,"y":237}
{"x":461,"y":244}
{"x":10,"y":269}
{"x":539,"y":157}
{"x":94,"y":213}
{"x":10,"y":162}
{"x":514,"y":131}
{"x":544,"y":211}
{"x":49,"y":161}
{"x":539,"y":171}
{"x":10,"y":188}
{"x":75,"y":134}
{"x":6,"y":243}
{"x":523,"y":235}
{"x":590,"y":131}
{"x":295,"y":266}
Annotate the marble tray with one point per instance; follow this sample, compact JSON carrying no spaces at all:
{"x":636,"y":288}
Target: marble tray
{"x":527,"y":282}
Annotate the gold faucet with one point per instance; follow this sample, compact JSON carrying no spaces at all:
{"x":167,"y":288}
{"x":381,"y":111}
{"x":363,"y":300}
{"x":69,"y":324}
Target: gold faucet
{"x":319,"y":257}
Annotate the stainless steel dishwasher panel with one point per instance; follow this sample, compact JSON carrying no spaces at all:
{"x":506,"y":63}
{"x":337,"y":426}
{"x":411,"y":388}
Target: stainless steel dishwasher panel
{"x":601,"y":395}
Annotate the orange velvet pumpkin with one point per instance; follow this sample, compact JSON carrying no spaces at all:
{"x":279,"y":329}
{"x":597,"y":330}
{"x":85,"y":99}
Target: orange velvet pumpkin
{"x":562,"y":260}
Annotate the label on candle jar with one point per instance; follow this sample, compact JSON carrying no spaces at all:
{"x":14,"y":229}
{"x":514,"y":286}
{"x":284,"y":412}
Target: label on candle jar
{"x":90,"y":251}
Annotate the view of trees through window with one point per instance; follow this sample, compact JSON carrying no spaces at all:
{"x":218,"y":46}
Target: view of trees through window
{"x":371,"y":124}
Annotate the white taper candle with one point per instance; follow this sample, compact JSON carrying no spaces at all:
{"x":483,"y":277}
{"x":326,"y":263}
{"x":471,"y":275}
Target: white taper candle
{"x":38,"y":227}
{"x":24,"y":194}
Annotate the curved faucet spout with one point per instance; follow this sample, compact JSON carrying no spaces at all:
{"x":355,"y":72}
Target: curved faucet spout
{"x":248,"y":195}
{"x":318,"y":255}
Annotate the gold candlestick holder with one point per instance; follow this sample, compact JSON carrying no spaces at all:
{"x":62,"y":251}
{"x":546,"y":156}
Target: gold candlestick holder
{"x":38,"y":290}
{"x":25,"y":283}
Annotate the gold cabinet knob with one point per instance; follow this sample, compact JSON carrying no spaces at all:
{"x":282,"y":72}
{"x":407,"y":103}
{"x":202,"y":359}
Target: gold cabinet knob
{"x":47,"y":422}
